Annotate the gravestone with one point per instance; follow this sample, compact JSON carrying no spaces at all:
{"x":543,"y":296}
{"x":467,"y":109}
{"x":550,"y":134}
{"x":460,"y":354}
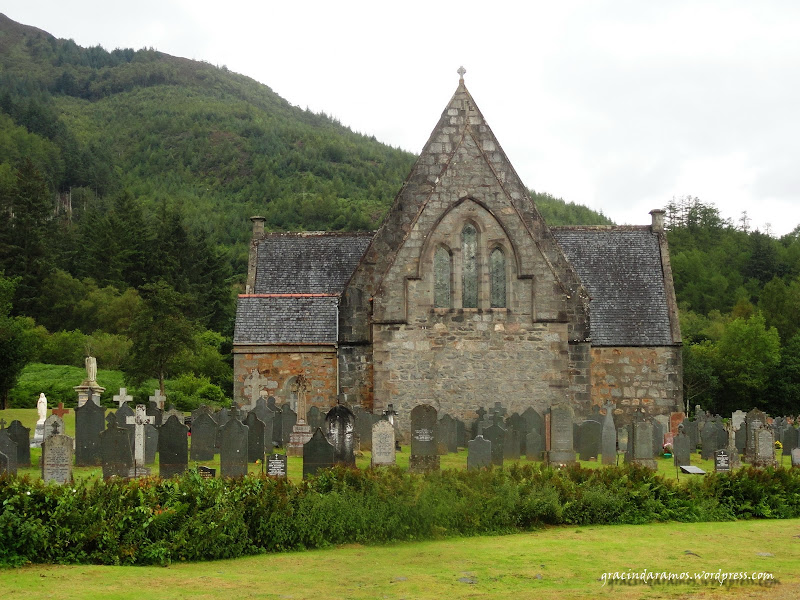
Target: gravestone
{"x":738,"y":418}
{"x":317,"y":454}
{"x":170,"y":412}
{"x":730,"y":446}
{"x":123,"y":397}
{"x":363,"y":427}
{"x":288,"y":421}
{"x":277,"y":422}
{"x":57,"y":455}
{"x":22,"y":436}
{"x":642,"y":444}
{"x":277,"y":466}
{"x":50,"y":422}
{"x":8,"y":448}
{"x":534,"y":446}
{"x":123,"y":415}
{"x":202,"y":410}
{"x":789,"y":440}
{"x":139,"y":421}
{"x":233,"y":449}
{"x":622,"y":439}
{"x":658,"y":437}
{"x":518,"y":423}
{"x":158,"y":400}
{"x":150,"y":444}
{"x":681,"y":449}
{"x":424,"y":456}
{"x":796,"y":458}
{"x":461,"y":433}
{"x":316,"y":418}
{"x":764,"y":455}
{"x":221,"y":416}
{"x":115,"y":450}
{"x":562,"y":450}
{"x":496,"y":434}
{"x":476,"y":425}
{"x":740,"y":438}
{"x":173,"y":448}
{"x":590,"y":435}
{"x":511,"y":444}
{"x":206,"y":472}
{"x":691,"y":429}
{"x":89,"y":423}
{"x":154,"y":411}
{"x":256,"y":437}
{"x":722,"y":460}
{"x":608,"y":437}
{"x":534,"y":420}
{"x":3,"y":464}
{"x":383,"y":452}
{"x":204,"y":437}
{"x":479,"y":453}
{"x":753,"y":421}
{"x":340,"y":432}
{"x":448,"y":434}
{"x":710,"y":440}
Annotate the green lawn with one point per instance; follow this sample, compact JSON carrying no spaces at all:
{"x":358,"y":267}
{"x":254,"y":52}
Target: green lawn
{"x":559,"y":562}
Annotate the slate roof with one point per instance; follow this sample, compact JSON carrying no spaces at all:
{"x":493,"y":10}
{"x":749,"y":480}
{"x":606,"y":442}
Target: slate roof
{"x":621,"y":269}
{"x":308,"y":263}
{"x":286,"y":320}
{"x":299,"y":277}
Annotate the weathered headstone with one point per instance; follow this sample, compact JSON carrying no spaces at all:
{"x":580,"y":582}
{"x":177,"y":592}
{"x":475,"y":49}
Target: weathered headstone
{"x":512,"y":444}
{"x":22,"y":436}
{"x":722,"y":460}
{"x":89,"y":423}
{"x":534,"y":420}
{"x":710,"y":440}
{"x":288,"y":421}
{"x":4,"y":463}
{"x":534,"y":445}
{"x":173,"y":448}
{"x":123,"y":415}
{"x":50,"y":422}
{"x":424,"y":456}
{"x":479,"y":453}
{"x":448,"y":434}
{"x":738,"y":418}
{"x":691,"y":429}
{"x":233,"y":437}
{"x":753,"y":421}
{"x":256,"y":437}
{"x":8,"y":448}
{"x":277,"y":422}
{"x":740,"y":437}
{"x":622,"y":439}
{"x":658,"y":437}
{"x":764,"y":455}
{"x":681,"y":449}
{"x":316,"y":418}
{"x":317,"y":454}
{"x":154,"y":411}
{"x":340,"y":432}
{"x":590,"y":435}
{"x":277,"y":466}
{"x":202,"y":410}
{"x":115,"y":449}
{"x":789,"y":439}
{"x":796,"y":458}
{"x":608,"y":437}
{"x":496,"y":434}
{"x":642,"y":444}
{"x":383,"y":452}
{"x":139,"y":420}
{"x":150,"y":444}
{"x":363,"y":427}
{"x":204,"y":437}
{"x":562,"y":450}
{"x":123,"y":397}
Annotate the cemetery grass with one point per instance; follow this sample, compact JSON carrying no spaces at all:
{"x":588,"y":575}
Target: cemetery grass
{"x":555,"y":562}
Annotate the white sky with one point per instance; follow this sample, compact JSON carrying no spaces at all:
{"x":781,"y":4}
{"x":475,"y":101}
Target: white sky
{"x":618,"y":105}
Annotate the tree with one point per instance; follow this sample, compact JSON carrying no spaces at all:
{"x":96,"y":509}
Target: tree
{"x":159,"y":332}
{"x":14,"y":345}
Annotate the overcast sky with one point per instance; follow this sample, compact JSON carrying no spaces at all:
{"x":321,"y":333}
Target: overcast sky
{"x":618,"y":105}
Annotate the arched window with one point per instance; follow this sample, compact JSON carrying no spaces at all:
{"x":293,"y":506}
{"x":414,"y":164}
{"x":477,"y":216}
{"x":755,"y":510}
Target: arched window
{"x":497,"y":278}
{"x":469,"y":271}
{"x":441,"y":278}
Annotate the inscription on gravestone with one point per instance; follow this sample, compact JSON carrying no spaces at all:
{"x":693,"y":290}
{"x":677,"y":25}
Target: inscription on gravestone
{"x":57,"y":458}
{"x":424,"y":456}
{"x":722,"y":460}
{"x":383,"y":452}
{"x":340,"y":431}
{"x":562,"y":451}
{"x":277,"y":465}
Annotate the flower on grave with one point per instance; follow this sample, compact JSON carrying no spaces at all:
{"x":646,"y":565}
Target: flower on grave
{"x":667,"y":449}
{"x":778,"y":445}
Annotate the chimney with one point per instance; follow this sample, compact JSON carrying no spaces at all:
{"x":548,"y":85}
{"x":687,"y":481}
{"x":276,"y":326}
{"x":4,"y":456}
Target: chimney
{"x":258,"y":227}
{"x":658,"y":220}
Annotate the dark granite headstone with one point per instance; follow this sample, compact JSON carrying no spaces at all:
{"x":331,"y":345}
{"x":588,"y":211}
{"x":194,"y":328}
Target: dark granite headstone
{"x":497,"y":436}
{"x":89,"y":422}
{"x":115,"y":449}
{"x":204,"y":437}
{"x":691,"y":430}
{"x":511,"y":444}
{"x":22,"y":436}
{"x":562,"y":450}
{"x":316,"y":418}
{"x":788,"y":439}
{"x":608,"y":437}
{"x":288,"y":421}
{"x":277,"y":466}
{"x":152,"y":410}
{"x":173,"y":448}
{"x":4,"y":464}
{"x":233,"y":449}
{"x":534,"y":446}
{"x":121,"y":416}
{"x":658,"y":437}
{"x":363,"y":427}
{"x":277,"y":423}
{"x":260,"y":409}
{"x":519,"y":424}
{"x":722,"y":460}
{"x":317,"y":454}
{"x":150,"y":444}
{"x":681,"y":453}
{"x":534,"y":420}
{"x":424,"y":456}
{"x":340,"y":431}
{"x":202,"y":410}
{"x":461,"y":434}
{"x":479,"y":453}
{"x":741,"y":438}
{"x":590,"y":435}
{"x":710,"y":440}
{"x":256,"y":437}
{"x":448,"y":434}
{"x":8,"y":448}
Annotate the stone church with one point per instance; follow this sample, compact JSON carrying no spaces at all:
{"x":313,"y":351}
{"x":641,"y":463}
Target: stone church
{"x":464,"y":297}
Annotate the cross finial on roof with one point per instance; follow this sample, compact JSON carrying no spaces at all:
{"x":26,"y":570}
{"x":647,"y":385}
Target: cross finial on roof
{"x":461,"y":71}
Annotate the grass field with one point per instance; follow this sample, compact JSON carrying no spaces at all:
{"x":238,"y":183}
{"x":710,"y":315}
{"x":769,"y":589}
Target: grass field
{"x":559,"y":562}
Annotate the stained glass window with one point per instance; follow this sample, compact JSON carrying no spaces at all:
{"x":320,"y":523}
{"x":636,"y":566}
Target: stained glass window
{"x":469,"y":274}
{"x":497,"y":274}
{"x":441,"y":278}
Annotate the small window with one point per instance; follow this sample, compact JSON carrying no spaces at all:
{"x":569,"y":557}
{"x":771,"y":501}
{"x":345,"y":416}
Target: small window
{"x":469,"y":273}
{"x":497,"y":274}
{"x":442,"y":275}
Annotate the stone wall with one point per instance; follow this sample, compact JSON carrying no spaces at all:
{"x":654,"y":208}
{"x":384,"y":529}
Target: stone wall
{"x":638,"y":377}
{"x":268,"y":371}
{"x":355,"y":375}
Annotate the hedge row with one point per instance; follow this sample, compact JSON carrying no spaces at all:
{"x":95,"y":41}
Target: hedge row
{"x":154,"y":521}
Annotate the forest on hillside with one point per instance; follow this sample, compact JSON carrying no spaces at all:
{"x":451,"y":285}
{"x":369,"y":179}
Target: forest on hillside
{"x":126,"y":183}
